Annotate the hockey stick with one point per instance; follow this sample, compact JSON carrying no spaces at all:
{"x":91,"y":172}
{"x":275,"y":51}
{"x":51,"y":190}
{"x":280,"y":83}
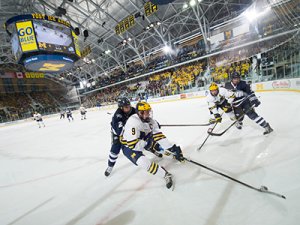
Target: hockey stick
{"x":185,"y":125}
{"x":208,"y":136}
{"x":109,"y":113}
{"x":263,"y":189}
{"x":220,"y":134}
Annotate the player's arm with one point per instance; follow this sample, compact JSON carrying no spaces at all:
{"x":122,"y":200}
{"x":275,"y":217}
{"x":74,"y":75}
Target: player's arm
{"x":212,"y":107}
{"x":159,"y":139}
{"x":117,"y":124}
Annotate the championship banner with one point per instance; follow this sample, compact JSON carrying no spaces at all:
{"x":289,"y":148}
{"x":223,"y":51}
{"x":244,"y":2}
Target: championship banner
{"x":26,"y":36}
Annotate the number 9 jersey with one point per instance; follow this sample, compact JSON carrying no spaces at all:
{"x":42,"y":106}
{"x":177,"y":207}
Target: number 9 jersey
{"x":136,"y":134}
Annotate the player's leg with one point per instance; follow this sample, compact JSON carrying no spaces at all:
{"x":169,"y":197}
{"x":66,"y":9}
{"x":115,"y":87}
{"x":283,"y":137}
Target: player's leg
{"x":140,"y":160}
{"x":227,"y":108}
{"x":113,"y":155}
{"x":255,"y":117}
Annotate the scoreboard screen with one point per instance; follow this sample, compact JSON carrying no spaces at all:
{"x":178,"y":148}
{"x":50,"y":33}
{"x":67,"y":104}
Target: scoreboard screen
{"x":53,"y":37}
{"x":150,"y":8}
{"x":125,"y":24}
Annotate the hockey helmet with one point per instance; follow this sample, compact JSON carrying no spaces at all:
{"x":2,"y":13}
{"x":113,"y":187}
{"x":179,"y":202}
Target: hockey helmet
{"x":213,"y":86}
{"x":235,"y":75}
{"x":123,"y":102}
{"x":144,"y":111}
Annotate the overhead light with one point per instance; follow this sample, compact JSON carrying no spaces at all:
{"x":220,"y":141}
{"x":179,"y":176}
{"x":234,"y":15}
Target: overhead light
{"x":147,"y":28}
{"x":93,"y":60}
{"x":185,"y":6}
{"x":158,"y":23}
{"x":151,"y":25}
{"x":199,"y":0}
{"x":129,"y":39}
{"x":251,"y":15}
{"x":107,"y":51}
{"x":124,"y":41}
{"x":167,"y":49}
{"x":193,"y":3}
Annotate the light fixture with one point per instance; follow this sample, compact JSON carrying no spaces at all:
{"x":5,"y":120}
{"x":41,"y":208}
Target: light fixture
{"x":167,"y":49}
{"x":185,"y":6}
{"x":107,"y":52}
{"x":151,"y":25}
{"x":158,"y":23}
{"x":193,"y":3}
{"x":129,"y":39}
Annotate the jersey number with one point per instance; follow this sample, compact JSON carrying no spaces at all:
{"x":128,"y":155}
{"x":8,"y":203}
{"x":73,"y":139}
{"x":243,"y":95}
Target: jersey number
{"x":133,"y":131}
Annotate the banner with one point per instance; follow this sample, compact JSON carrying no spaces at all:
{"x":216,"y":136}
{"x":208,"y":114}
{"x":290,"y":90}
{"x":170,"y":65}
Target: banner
{"x":26,"y":36}
{"x":77,"y":49}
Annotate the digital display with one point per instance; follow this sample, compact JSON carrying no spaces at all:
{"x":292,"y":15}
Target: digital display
{"x":16,"y":49}
{"x":150,"y":8}
{"x":53,"y":37}
{"x":48,"y":63}
{"x":26,"y":36}
{"x":125,"y":24}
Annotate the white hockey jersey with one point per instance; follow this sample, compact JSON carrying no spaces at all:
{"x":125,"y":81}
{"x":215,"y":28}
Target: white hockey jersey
{"x":135,"y":131}
{"x":223,"y":95}
{"x":37,"y":116}
{"x":82,"y":109}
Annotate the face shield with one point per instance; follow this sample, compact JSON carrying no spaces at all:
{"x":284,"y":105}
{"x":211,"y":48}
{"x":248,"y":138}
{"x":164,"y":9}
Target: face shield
{"x":146,"y":115}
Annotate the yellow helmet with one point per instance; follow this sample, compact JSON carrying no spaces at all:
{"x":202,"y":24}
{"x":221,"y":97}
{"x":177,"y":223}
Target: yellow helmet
{"x":143,"y":106}
{"x":213,"y":86}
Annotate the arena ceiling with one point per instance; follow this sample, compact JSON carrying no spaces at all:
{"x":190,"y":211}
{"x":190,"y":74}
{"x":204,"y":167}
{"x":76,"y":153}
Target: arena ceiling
{"x":177,"y":20}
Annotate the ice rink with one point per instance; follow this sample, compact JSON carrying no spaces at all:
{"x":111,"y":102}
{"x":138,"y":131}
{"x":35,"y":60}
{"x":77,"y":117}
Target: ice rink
{"x":55,"y":175}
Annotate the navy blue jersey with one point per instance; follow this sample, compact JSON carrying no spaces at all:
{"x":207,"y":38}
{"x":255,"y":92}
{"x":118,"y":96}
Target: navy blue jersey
{"x":119,"y":119}
{"x":241,"y":86}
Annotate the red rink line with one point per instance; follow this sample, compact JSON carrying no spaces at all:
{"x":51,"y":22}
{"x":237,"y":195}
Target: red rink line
{"x":46,"y":177}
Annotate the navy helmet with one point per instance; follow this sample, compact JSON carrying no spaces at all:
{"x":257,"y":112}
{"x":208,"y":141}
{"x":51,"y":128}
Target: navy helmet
{"x":235,"y":75}
{"x":123,"y":102}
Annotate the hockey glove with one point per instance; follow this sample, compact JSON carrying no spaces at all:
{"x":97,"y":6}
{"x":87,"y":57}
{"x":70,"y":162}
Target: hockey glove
{"x":254,"y":101}
{"x":218,"y":118}
{"x":177,"y":153}
{"x":149,"y":141}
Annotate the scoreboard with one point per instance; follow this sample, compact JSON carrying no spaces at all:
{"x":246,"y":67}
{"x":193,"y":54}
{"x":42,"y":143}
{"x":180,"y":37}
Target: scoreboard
{"x":43,"y":43}
{"x":150,"y":8}
{"x":125,"y":24}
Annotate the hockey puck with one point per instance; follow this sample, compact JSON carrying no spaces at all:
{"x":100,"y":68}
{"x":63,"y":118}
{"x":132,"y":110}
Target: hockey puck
{"x":263,"y":188}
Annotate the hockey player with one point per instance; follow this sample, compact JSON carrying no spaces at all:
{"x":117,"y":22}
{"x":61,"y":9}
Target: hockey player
{"x":82,"y":112}
{"x":62,"y":114}
{"x":245,"y":101}
{"x":69,"y":115}
{"x":124,"y":111}
{"x":220,"y":98}
{"x":38,"y":118}
{"x":140,"y":133}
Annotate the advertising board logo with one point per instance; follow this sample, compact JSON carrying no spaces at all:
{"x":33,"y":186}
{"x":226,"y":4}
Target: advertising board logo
{"x":259,"y":86}
{"x":281,"y":84}
{"x":26,"y":36}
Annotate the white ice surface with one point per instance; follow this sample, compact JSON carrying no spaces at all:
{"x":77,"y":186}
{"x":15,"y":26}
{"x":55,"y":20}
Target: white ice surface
{"x":55,"y":175}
